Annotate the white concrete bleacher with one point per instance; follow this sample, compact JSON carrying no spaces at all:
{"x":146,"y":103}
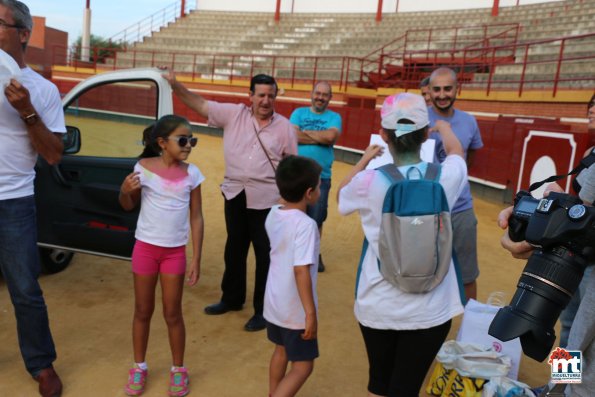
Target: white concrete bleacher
{"x":221,"y":34}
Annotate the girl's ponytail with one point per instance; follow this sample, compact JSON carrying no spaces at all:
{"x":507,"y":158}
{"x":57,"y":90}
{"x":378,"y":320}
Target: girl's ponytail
{"x":150,"y":142}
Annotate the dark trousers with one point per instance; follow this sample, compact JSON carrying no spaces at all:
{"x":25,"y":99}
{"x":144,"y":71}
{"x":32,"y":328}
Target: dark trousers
{"x":399,"y":360}
{"x":244,"y":226}
{"x":19,"y":262}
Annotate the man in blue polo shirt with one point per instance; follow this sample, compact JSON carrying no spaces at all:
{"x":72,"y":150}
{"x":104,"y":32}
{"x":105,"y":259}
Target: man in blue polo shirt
{"x":443,"y":91}
{"x":317,"y":129}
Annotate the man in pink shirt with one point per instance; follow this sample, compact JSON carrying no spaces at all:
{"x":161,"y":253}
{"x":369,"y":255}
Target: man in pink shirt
{"x":255,"y":139}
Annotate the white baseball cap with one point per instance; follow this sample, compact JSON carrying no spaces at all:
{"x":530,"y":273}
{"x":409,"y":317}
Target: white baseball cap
{"x":407,"y":106}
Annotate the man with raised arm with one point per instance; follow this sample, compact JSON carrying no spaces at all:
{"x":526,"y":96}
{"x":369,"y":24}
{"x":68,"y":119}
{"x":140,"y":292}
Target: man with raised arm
{"x":255,"y":139}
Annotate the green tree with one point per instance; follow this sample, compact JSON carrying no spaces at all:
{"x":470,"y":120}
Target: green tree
{"x":100,"y":48}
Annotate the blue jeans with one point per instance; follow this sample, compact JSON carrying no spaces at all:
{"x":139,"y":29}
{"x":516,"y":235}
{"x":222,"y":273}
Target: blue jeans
{"x":19,"y":262}
{"x":318,"y":211}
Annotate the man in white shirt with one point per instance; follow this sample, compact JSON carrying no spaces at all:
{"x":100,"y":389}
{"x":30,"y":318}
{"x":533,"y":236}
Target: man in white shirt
{"x":31,"y":121}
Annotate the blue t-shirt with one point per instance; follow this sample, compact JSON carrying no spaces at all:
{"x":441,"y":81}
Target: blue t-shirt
{"x":307,"y":120}
{"x":422,"y":167}
{"x":465,"y":128}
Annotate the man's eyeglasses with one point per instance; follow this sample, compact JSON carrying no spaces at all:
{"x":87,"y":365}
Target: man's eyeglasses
{"x":184,"y":140}
{"x":6,"y":25}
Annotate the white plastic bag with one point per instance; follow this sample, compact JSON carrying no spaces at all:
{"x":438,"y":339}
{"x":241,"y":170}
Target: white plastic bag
{"x":474,"y":328}
{"x":506,"y":387}
{"x":472,"y":360}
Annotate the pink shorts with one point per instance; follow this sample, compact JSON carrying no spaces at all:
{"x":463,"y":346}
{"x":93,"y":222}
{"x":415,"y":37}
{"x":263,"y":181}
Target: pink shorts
{"x":152,"y":259}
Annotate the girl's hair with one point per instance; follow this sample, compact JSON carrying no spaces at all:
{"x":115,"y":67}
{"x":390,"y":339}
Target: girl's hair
{"x":161,"y":129}
{"x":591,"y":102}
{"x":408,"y":143}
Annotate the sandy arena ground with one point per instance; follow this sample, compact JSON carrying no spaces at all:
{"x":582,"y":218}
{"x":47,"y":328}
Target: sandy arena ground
{"x":91,"y":304}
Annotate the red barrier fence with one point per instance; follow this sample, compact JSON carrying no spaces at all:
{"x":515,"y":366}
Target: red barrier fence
{"x":517,"y":151}
{"x":507,"y":150}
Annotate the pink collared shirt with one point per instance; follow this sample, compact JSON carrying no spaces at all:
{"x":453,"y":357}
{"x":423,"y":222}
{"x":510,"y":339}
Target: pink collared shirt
{"x":246,"y":165}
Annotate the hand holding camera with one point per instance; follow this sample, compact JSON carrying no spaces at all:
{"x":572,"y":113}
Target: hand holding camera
{"x":561,"y":230}
{"x":519,"y":250}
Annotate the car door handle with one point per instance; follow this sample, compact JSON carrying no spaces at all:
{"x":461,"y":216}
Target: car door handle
{"x":57,"y":174}
{"x":72,"y":175}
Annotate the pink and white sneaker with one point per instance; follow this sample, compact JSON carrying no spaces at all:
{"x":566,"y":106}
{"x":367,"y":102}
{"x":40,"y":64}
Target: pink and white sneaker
{"x":136,"y":381}
{"x":178,"y":382}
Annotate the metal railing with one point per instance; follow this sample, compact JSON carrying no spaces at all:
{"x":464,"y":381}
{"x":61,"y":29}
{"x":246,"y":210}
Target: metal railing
{"x":152,"y":23}
{"x":544,"y":65}
{"x":450,"y":40}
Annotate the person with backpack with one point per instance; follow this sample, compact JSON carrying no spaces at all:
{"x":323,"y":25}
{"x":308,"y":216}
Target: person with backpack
{"x":404,"y":322}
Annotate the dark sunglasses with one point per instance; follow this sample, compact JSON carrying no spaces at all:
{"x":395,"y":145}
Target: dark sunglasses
{"x":184,"y":140}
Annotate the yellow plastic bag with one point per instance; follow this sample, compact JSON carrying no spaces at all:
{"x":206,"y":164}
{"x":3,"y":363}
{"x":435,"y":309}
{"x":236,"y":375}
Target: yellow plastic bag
{"x":438,"y":380}
{"x":462,"y":386}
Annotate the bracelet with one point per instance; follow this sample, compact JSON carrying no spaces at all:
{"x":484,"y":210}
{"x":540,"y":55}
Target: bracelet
{"x":30,"y":119}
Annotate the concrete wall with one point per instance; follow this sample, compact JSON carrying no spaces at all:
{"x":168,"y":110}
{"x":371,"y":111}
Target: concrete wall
{"x":47,"y":46}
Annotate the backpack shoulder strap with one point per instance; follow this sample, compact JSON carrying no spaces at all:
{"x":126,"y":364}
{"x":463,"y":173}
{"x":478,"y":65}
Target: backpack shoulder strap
{"x":433,"y":172}
{"x":391,"y":172}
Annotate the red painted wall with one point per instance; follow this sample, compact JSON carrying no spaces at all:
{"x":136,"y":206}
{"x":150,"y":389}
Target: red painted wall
{"x":499,"y":162}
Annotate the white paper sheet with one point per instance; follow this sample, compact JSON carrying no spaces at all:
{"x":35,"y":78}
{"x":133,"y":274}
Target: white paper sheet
{"x":426,"y":152}
{"x":9,"y":69}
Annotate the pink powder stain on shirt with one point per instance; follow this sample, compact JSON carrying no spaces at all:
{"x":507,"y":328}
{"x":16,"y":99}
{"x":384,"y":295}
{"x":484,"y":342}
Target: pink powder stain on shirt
{"x":171,"y":178}
{"x":366,"y":180}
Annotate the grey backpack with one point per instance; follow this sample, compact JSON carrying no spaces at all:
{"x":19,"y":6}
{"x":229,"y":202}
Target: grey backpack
{"x":415,"y":241}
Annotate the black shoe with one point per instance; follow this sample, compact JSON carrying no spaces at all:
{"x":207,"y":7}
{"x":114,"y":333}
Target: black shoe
{"x":221,"y":308}
{"x":256,"y":323}
{"x":320,"y":264}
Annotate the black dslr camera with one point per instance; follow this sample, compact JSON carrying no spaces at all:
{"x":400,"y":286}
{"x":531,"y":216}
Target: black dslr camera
{"x":563,"y":231}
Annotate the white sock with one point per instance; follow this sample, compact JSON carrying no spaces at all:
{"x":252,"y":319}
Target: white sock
{"x":173,"y":367}
{"x":142,"y":365}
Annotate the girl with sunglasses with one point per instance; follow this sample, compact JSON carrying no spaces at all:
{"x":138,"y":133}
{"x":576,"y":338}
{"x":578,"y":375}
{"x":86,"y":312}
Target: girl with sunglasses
{"x":167,"y":188}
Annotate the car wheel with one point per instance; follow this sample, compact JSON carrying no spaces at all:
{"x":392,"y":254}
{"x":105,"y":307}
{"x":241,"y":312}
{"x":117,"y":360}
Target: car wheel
{"x":54,"y":260}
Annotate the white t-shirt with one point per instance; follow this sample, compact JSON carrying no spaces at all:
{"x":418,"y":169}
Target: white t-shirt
{"x":17,"y":156}
{"x":378,"y":303}
{"x":294,"y":242}
{"x":164,"y":219}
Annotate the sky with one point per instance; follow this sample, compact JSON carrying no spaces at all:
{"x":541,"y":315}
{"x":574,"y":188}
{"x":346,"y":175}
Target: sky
{"x":109,"y":17}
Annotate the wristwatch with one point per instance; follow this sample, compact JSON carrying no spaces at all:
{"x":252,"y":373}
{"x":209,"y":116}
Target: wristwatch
{"x":30,"y":119}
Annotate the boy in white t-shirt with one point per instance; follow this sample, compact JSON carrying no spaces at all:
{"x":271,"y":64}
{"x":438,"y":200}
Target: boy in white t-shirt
{"x":290,"y":299}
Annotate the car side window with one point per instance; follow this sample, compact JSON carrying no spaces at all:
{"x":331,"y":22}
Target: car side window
{"x":111,"y":118}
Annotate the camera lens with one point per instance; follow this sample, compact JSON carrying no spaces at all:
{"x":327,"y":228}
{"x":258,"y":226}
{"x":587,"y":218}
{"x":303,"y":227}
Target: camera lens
{"x":547,"y":283}
{"x":558,"y":268}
